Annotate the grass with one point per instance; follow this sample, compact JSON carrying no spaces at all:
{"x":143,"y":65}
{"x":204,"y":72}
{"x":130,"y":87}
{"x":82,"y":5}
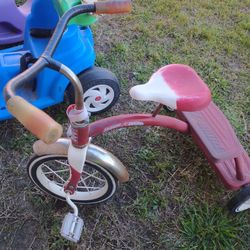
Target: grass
{"x":50,"y":219}
{"x":160,"y":208}
{"x":211,"y":38}
{"x":19,"y":2}
{"x":150,"y":201}
{"x":22,"y":143}
{"x":205,"y":227}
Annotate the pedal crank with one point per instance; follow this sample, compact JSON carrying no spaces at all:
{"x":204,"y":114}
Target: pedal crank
{"x":72,"y":225}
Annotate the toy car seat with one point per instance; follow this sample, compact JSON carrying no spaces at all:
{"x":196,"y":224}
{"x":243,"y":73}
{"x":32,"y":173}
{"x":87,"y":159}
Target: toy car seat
{"x":12,"y":21}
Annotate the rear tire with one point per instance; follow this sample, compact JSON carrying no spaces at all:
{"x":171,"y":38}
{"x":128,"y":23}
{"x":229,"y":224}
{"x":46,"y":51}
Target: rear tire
{"x":241,"y":201}
{"x":101,"y":89}
{"x":50,"y":172}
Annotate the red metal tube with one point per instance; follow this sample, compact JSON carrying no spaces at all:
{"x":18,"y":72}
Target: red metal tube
{"x":131,"y":120}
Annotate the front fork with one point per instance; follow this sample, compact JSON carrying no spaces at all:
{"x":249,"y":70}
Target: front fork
{"x":79,"y":130}
{"x":79,"y":134}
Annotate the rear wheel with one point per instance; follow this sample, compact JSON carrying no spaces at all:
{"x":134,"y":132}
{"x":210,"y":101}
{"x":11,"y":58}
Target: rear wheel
{"x":50,"y":172}
{"x":241,"y":201}
{"x":101,"y":89}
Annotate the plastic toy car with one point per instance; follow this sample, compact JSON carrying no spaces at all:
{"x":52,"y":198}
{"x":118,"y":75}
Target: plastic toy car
{"x":76,"y":50}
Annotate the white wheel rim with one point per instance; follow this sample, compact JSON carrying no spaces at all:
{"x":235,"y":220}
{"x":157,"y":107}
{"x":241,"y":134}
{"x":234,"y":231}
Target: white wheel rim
{"x":244,"y":206}
{"x":85,"y":190}
{"x":98,"y":97}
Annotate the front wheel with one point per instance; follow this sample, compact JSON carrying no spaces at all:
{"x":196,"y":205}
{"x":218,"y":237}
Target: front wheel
{"x":50,"y":172}
{"x":101,"y":89}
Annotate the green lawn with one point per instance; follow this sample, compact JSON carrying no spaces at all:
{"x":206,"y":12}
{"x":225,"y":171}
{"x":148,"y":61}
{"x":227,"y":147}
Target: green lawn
{"x":173,"y":199}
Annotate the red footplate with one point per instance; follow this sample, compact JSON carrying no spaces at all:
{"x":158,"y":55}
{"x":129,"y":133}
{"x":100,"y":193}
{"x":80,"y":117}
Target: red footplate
{"x":215,"y":136}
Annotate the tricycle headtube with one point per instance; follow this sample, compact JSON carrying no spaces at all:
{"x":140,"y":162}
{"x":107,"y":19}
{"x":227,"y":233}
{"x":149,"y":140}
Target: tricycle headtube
{"x":79,"y":126}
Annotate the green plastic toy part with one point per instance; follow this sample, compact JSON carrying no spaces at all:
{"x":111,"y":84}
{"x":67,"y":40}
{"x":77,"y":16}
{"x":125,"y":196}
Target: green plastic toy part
{"x":63,"y":6}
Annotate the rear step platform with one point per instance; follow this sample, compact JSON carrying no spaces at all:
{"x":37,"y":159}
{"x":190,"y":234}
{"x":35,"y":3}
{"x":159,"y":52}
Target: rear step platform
{"x":215,"y":136}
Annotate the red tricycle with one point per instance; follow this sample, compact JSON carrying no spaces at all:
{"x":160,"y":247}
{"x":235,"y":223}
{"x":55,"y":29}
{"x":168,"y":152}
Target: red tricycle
{"x":75,"y":170}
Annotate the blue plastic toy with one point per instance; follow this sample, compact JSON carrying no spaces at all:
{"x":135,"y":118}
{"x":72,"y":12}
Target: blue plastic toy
{"x":76,"y":50}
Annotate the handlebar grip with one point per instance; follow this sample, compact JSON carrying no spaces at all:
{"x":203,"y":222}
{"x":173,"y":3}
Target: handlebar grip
{"x":35,"y":120}
{"x":113,"y":7}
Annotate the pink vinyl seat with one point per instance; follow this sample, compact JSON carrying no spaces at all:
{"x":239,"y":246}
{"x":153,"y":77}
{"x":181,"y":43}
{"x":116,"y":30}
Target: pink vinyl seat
{"x":177,"y":86}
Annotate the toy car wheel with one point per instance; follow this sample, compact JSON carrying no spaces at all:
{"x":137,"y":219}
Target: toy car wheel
{"x":101,"y":89}
{"x":241,"y":201}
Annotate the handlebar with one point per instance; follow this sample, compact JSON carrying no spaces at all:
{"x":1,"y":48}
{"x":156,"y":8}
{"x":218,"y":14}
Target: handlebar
{"x":35,"y":120}
{"x":113,"y":7}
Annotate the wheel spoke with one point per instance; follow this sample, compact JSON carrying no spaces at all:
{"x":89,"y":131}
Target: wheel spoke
{"x":57,"y":171}
{"x":109,"y":97}
{"x":85,"y":185}
{"x":91,"y":93}
{"x":89,"y":102}
{"x":99,"y":105}
{"x":92,"y":175}
{"x":58,"y":176}
{"x":103,"y":90}
{"x":107,"y":94}
{"x":88,"y":188}
{"x":63,"y":163}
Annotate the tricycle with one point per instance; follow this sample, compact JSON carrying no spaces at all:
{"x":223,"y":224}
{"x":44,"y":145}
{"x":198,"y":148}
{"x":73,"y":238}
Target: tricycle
{"x":76,"y":171}
{"x":76,"y":50}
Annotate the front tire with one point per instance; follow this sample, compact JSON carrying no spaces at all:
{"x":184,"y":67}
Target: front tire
{"x":50,"y":172}
{"x":101,"y":89}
